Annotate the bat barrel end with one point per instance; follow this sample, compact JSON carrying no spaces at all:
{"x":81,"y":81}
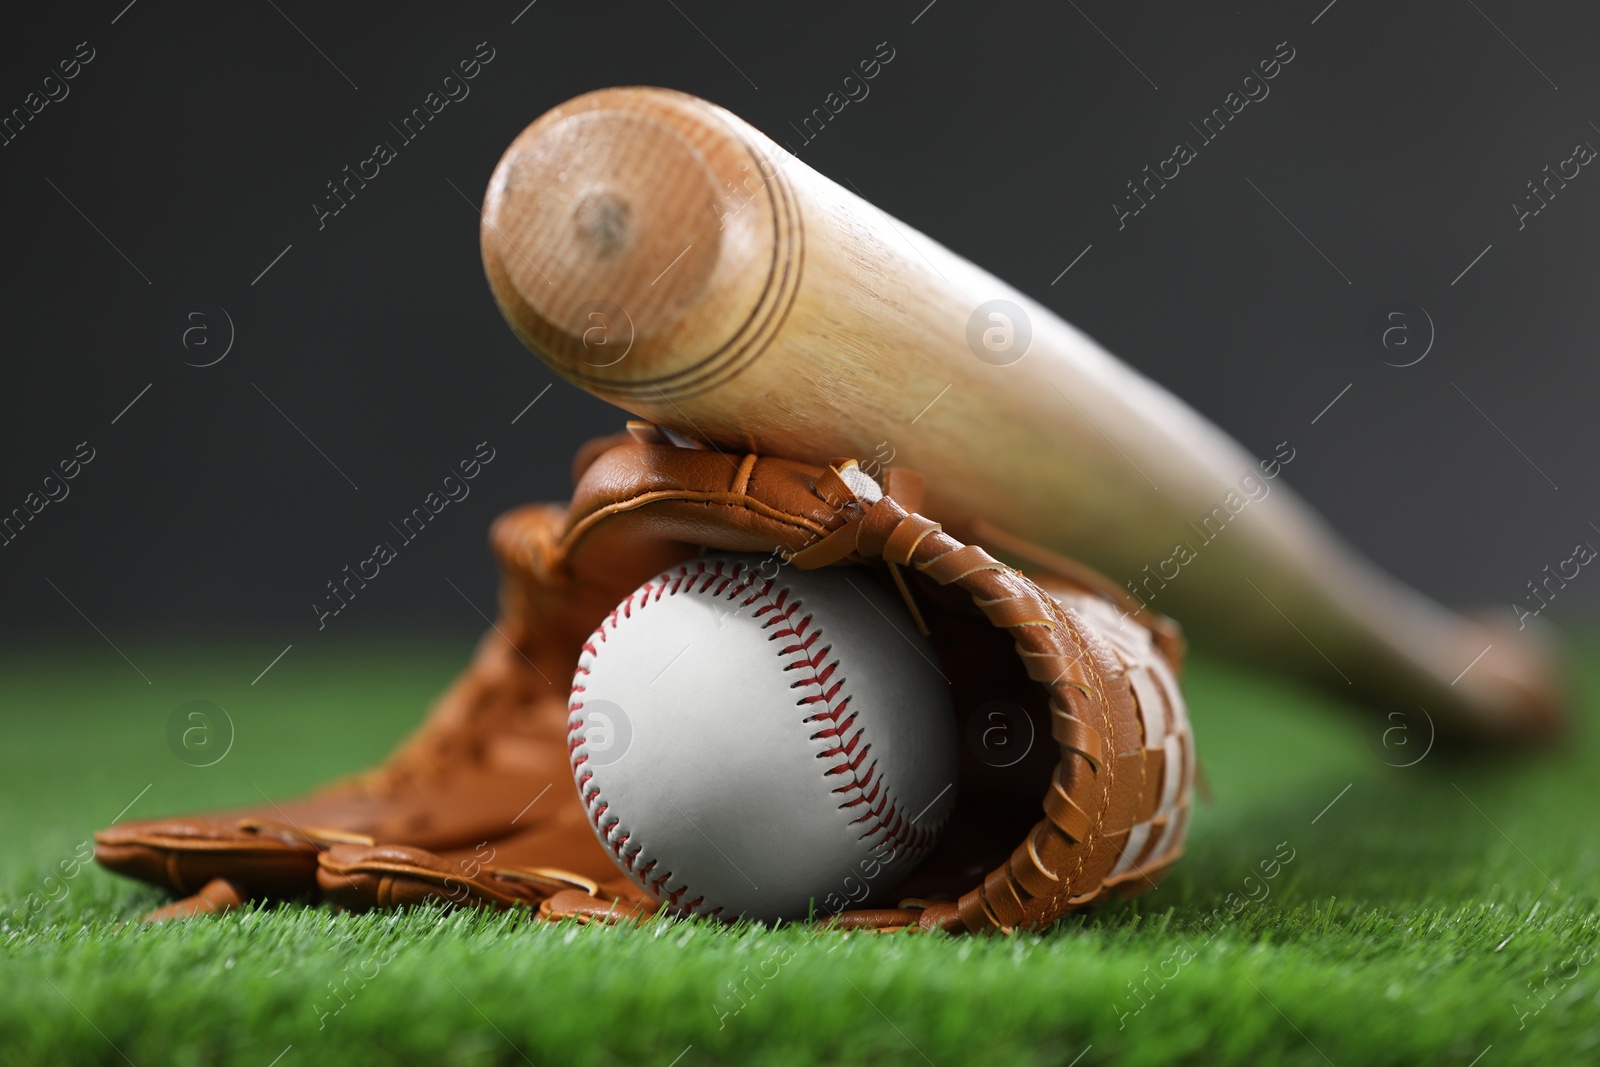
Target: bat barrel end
{"x":611,"y":242}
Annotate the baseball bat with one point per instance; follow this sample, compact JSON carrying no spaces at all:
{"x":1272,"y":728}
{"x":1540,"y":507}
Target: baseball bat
{"x":661,"y":253}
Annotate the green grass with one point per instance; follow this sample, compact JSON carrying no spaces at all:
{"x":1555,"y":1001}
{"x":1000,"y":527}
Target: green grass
{"x":1407,"y":928}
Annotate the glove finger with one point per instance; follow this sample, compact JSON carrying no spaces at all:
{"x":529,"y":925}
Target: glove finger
{"x":524,"y":868}
{"x":186,"y":855}
{"x":218,"y":896}
{"x":587,"y":907}
{"x":925,"y":915}
{"x":885,"y":920}
{"x":392,"y":876}
{"x":273,"y":851}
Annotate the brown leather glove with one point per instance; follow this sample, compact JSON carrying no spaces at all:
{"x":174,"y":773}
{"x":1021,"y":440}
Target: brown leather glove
{"x":1066,"y":691}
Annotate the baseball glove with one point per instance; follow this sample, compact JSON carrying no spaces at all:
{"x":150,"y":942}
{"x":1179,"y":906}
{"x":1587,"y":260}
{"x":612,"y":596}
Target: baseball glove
{"x":1073,"y":785}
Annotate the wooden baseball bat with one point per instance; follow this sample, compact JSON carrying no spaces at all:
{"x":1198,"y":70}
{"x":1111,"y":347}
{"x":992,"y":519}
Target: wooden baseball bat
{"x":663,"y":254}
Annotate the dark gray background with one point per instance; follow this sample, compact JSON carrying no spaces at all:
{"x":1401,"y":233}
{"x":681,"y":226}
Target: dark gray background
{"x":198,"y":138}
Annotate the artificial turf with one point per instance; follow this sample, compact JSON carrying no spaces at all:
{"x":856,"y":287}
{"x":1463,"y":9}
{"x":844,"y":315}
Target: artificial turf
{"x":1440,"y":913}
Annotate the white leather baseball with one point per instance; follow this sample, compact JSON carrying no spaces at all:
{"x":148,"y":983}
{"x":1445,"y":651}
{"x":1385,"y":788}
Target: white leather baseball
{"x":750,"y":738}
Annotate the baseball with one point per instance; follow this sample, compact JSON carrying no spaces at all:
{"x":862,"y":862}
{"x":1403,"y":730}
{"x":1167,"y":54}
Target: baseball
{"x":750,"y":739}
